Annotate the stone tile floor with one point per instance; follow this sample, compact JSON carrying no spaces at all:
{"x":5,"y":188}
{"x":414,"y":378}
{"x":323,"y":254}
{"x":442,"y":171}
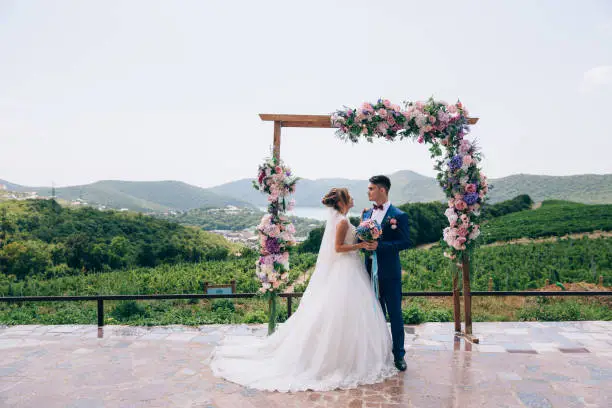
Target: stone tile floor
{"x":554,"y":364}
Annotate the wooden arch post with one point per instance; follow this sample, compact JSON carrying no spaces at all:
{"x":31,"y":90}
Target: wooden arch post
{"x":324,"y":122}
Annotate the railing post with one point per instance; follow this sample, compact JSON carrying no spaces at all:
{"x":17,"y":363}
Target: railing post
{"x":289,"y":298}
{"x":601,"y":280}
{"x":100,"y":312}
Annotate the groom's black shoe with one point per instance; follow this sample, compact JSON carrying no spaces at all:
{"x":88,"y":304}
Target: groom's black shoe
{"x":400,"y":365}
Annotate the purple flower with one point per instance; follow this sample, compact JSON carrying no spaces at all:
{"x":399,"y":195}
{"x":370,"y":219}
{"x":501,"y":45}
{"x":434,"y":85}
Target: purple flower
{"x":455,"y":163}
{"x":272,"y":245}
{"x":470,"y":198}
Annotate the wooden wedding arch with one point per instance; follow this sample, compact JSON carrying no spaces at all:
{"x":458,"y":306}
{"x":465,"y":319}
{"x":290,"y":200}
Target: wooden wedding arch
{"x":324,"y":121}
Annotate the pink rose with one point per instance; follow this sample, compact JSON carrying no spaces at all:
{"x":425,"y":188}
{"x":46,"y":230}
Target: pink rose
{"x":460,"y":205}
{"x":396,"y":108}
{"x":421,"y":139}
{"x":382,"y":113}
{"x":465,"y":219}
{"x":470,"y":188}
{"x":387,"y":103}
{"x":382,"y":127}
{"x":444,"y":142}
{"x":366,"y":107}
{"x":464,"y":146}
{"x":468,"y":160}
{"x":419,"y":105}
{"x":278,"y":169}
{"x":462,"y":231}
{"x":432,"y":119}
{"x":452,"y":109}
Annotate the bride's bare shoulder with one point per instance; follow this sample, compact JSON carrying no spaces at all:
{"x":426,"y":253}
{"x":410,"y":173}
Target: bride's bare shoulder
{"x":343,"y":223}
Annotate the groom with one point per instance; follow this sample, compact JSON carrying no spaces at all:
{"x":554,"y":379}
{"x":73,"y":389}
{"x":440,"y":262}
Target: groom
{"x":395,"y":238}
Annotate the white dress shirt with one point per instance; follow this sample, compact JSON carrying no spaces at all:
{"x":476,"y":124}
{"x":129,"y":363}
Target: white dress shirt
{"x":379,"y":215}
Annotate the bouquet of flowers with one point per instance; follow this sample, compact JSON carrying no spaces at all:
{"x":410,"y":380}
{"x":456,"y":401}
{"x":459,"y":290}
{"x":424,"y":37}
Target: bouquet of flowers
{"x":369,"y":230}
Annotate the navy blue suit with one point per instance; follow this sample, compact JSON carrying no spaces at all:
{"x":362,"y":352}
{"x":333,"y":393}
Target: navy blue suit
{"x":392,"y":241}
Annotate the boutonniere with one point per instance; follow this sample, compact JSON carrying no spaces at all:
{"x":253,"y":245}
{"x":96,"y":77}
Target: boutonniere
{"x":393,"y":223}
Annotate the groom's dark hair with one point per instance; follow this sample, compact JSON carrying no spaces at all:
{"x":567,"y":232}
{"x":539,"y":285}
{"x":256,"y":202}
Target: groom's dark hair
{"x":381,"y":181}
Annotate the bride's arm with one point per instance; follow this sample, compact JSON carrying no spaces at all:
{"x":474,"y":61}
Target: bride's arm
{"x":341,"y":230}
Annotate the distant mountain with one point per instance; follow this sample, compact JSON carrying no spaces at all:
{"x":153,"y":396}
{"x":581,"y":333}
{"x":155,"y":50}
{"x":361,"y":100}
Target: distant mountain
{"x":584,"y":188}
{"x":138,"y":195}
{"x":406,"y":186}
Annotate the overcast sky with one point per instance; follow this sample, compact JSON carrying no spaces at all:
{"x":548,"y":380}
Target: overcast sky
{"x":170,"y":90}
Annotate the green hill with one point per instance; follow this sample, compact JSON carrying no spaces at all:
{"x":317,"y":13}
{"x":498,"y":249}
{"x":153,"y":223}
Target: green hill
{"x":40,"y":237}
{"x":585,"y":188}
{"x":553,"y":218}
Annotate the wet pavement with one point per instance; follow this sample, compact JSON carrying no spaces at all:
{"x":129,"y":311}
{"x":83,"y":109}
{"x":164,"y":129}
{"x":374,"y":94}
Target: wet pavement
{"x":556,"y":364}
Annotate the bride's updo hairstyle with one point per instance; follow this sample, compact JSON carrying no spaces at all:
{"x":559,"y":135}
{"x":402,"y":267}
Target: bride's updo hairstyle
{"x":335,"y":197}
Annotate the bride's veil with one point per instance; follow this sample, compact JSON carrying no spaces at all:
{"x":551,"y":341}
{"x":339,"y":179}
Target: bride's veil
{"x":327,"y":251}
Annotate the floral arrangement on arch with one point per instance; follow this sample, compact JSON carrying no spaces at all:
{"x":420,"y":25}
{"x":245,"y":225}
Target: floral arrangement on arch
{"x":442,"y":126}
{"x":276,"y":232}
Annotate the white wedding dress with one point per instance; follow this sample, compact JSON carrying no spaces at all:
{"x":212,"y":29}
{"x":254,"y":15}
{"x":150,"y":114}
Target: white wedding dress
{"x":337,"y":338}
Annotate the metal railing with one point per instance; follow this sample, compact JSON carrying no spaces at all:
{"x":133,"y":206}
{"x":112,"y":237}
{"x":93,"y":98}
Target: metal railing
{"x":101,"y":298}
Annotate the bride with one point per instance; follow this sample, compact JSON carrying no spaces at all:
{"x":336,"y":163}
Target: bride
{"x":337,"y":338}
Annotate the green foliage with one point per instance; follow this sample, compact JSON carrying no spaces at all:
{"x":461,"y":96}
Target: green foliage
{"x":439,"y":315}
{"x":413,"y":315}
{"x":223,"y":304}
{"x":179,"y":278}
{"x":518,"y":203}
{"x":569,"y":310}
{"x":514,"y":267}
{"x":42,"y":238}
{"x":127,"y":310}
{"x":552,"y":219}
{"x":427,"y":221}
{"x":313,"y":242}
{"x":257,"y":316}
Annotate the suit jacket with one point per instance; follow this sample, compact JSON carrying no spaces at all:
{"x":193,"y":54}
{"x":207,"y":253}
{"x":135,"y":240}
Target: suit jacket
{"x":393,"y":241}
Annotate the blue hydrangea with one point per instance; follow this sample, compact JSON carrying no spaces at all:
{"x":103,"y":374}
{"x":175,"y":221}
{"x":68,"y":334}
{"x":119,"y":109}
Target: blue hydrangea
{"x":455,"y":163}
{"x":470,"y":198}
